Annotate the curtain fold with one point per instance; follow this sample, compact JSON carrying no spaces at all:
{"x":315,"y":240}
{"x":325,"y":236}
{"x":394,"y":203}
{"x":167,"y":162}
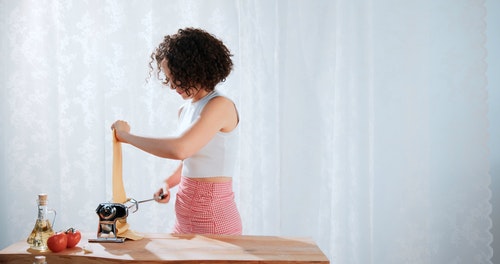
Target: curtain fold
{"x":363,"y":123}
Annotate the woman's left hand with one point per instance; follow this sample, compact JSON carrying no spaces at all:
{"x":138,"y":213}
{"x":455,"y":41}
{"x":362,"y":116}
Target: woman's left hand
{"x":119,"y":127}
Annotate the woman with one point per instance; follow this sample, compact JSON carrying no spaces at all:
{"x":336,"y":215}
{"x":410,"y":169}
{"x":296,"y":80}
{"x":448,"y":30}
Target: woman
{"x":194,"y":62}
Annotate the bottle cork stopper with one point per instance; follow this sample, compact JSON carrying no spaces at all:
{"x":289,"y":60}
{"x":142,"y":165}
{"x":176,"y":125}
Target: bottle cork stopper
{"x":42,"y":199}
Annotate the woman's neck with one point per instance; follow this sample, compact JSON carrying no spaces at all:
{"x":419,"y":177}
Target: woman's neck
{"x":200,"y":94}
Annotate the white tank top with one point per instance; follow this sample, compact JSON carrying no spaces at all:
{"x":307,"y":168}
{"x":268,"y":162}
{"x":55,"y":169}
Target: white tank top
{"x":218,"y":156}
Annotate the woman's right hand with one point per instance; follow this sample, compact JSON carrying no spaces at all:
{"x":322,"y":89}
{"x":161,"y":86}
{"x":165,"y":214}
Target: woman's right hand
{"x":120,"y":126}
{"x":165,"y":191}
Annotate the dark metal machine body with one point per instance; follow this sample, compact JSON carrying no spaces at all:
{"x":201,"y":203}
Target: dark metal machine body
{"x":109,"y":214}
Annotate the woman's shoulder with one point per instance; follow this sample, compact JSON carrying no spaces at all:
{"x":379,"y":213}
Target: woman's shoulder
{"x":223,"y":109}
{"x":217,"y":97}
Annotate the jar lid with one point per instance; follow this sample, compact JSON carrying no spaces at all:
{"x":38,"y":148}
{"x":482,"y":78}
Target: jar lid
{"x":40,"y":259}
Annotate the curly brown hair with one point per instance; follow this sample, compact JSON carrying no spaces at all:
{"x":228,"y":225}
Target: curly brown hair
{"x":194,"y":57}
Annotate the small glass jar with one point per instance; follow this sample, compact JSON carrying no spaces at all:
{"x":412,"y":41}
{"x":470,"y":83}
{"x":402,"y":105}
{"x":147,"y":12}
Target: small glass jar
{"x":40,"y":260}
{"x":43,"y":227}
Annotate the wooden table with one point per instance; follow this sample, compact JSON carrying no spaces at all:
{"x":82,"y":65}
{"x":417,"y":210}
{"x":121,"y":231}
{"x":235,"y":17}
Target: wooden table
{"x":167,"y":248}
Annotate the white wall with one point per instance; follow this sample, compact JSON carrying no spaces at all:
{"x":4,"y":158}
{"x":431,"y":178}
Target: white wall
{"x":493,"y":60}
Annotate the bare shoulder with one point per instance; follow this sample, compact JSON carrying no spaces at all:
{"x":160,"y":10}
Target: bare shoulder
{"x":221,"y":102}
{"x":224,"y":110}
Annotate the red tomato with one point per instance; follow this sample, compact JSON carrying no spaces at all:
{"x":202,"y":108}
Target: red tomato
{"x":73,"y":236}
{"x":57,"y":242}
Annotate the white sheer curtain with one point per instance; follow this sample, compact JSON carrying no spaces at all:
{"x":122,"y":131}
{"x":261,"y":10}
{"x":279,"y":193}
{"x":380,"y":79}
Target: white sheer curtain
{"x":363,"y":123}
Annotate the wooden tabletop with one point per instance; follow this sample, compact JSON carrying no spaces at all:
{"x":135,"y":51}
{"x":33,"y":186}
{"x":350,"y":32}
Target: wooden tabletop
{"x":167,"y":248}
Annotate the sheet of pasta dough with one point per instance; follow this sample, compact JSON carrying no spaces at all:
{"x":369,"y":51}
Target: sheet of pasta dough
{"x":119,"y":195}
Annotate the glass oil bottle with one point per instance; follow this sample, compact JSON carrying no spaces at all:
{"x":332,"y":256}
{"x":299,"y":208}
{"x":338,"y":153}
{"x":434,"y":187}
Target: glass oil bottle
{"x":43,"y":227}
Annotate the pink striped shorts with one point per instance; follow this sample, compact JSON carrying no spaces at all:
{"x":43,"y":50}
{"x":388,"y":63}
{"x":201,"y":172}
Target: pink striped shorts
{"x":206,"y":208}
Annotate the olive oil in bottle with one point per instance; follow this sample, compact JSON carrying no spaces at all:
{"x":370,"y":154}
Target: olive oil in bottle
{"x":43,"y":228}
